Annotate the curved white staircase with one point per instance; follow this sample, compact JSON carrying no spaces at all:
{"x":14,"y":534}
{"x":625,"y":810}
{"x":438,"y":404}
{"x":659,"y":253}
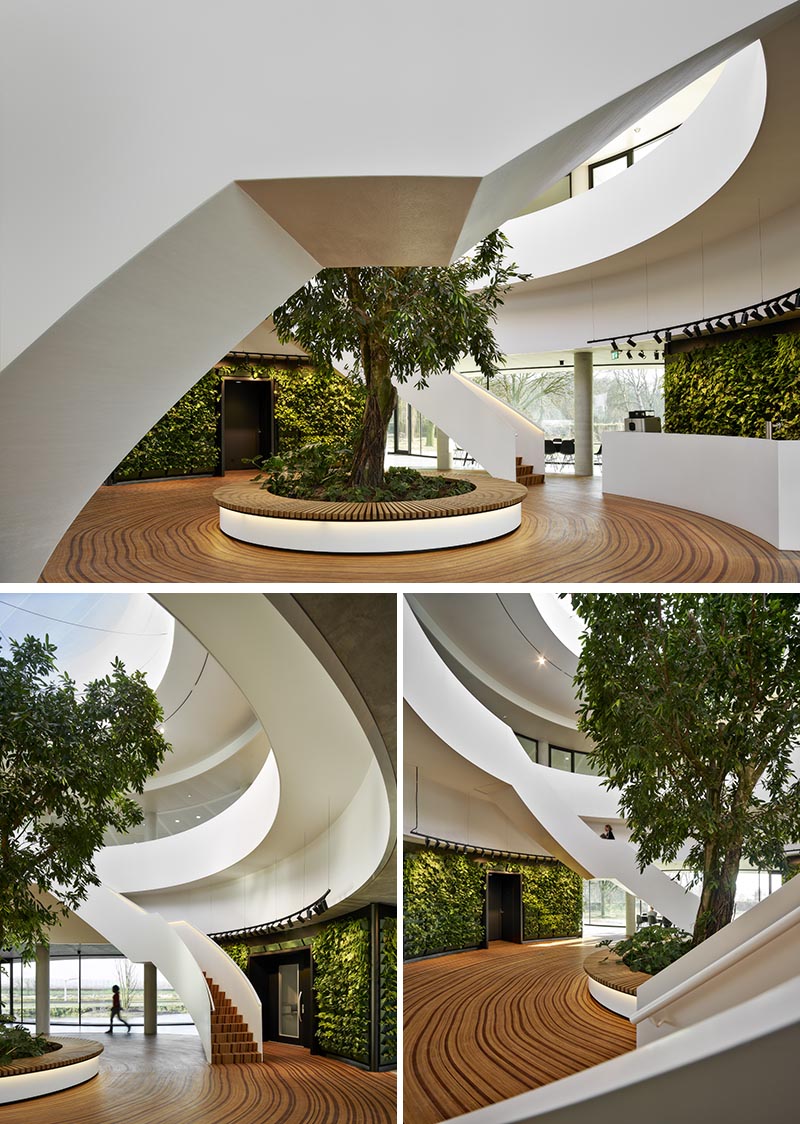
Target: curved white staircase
{"x":193,"y":964}
{"x":464,"y":724}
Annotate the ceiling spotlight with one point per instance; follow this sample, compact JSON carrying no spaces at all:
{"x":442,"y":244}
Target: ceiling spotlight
{"x":732,"y":321}
{"x":796,"y":301}
{"x":198,"y":817}
{"x":720,"y":325}
{"x":657,"y":338}
{"x":614,"y":345}
{"x":656,"y":354}
{"x":641,"y":354}
{"x":161,"y":729}
{"x":756,"y":314}
{"x":541,"y":661}
{"x":709,"y":326}
{"x":631,"y":343}
{"x":629,"y":354}
{"x":744,"y":318}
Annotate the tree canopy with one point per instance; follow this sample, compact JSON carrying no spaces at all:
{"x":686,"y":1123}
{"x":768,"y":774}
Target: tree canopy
{"x":693,"y":704}
{"x":68,"y":762}
{"x":405,"y":322}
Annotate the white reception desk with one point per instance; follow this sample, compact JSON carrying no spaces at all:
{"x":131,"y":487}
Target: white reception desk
{"x":752,"y":483}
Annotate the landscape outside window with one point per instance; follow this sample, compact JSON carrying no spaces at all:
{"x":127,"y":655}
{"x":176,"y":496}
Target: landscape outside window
{"x":89,"y":1005}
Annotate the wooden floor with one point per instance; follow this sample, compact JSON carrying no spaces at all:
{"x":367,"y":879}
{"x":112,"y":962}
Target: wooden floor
{"x":169,"y":532}
{"x":487,"y":1025}
{"x":165,"y":1080}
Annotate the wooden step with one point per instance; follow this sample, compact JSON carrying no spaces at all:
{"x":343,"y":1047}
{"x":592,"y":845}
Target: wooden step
{"x":531,"y":479}
{"x":231,"y":1041}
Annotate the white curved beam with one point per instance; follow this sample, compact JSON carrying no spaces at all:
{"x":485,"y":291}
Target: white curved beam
{"x":687,"y":169}
{"x":200,"y":852}
{"x":334,"y":824}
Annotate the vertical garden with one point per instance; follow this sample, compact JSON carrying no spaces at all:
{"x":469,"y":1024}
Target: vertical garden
{"x":444,"y":896}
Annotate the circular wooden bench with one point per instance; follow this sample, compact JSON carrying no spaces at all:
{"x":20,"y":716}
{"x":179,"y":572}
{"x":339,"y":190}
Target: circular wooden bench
{"x":253,"y":514}
{"x":76,"y":1060}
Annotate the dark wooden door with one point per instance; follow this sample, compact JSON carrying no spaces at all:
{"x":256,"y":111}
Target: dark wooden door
{"x":504,"y":907}
{"x":246,"y":421}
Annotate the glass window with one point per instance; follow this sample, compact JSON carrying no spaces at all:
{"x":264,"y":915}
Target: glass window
{"x":561,"y":759}
{"x":530,"y":745}
{"x":601,"y":173}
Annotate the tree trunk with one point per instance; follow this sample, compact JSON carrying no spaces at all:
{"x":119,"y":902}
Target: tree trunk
{"x":718,"y":897}
{"x":370,"y":449}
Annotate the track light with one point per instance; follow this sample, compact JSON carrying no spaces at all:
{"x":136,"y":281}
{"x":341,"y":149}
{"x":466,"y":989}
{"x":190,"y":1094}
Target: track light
{"x":720,"y":325}
{"x":641,"y":354}
{"x":631,"y":343}
{"x":744,"y":318}
{"x":629,"y":354}
{"x":614,"y":345}
{"x":732,"y":321}
{"x":656,"y":354}
{"x":657,"y":338}
{"x":709,"y":326}
{"x":796,"y":301}
{"x":756,"y":314}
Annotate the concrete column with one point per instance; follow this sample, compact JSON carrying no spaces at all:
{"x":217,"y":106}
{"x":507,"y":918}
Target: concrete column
{"x":630,"y":915}
{"x":444,"y":452}
{"x":42,"y":989}
{"x":150,"y":996}
{"x":584,"y":443}
{"x":543,"y":753}
{"x":150,"y":826}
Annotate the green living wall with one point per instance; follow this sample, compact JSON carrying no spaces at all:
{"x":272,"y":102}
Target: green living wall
{"x":444,"y":901}
{"x":341,"y":953}
{"x":734,"y":387}
{"x":388,"y":991}
{"x":309,"y":406}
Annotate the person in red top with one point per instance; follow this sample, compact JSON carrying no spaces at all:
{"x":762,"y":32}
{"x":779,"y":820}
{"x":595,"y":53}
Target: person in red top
{"x":116,"y":1009}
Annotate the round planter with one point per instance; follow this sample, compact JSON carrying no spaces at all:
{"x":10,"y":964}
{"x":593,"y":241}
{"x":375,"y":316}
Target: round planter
{"x":612,"y":983}
{"x":253,"y":514}
{"x":77,"y":1060}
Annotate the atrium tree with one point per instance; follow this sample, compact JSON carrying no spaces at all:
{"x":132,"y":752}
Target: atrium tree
{"x":693,"y":704}
{"x":68,"y":763}
{"x":400,"y":323}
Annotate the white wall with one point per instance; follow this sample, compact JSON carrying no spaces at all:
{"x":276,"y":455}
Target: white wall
{"x":747,"y":481}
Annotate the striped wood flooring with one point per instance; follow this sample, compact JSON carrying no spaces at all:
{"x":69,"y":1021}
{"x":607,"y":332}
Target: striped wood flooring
{"x":487,"y":1025}
{"x":169,"y":532}
{"x":165,"y":1080}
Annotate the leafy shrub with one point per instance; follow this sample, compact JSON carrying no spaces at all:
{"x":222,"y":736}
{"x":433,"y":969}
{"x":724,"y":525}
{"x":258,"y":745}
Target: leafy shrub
{"x":321,"y":472}
{"x":18,"y":1042}
{"x":651,"y":949}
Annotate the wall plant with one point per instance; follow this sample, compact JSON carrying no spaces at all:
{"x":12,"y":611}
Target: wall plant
{"x":732,"y":388}
{"x":444,"y":898}
{"x":239,"y":954}
{"x":341,"y":953}
{"x":443,"y":903}
{"x":388,"y":991}
{"x":309,"y":407}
